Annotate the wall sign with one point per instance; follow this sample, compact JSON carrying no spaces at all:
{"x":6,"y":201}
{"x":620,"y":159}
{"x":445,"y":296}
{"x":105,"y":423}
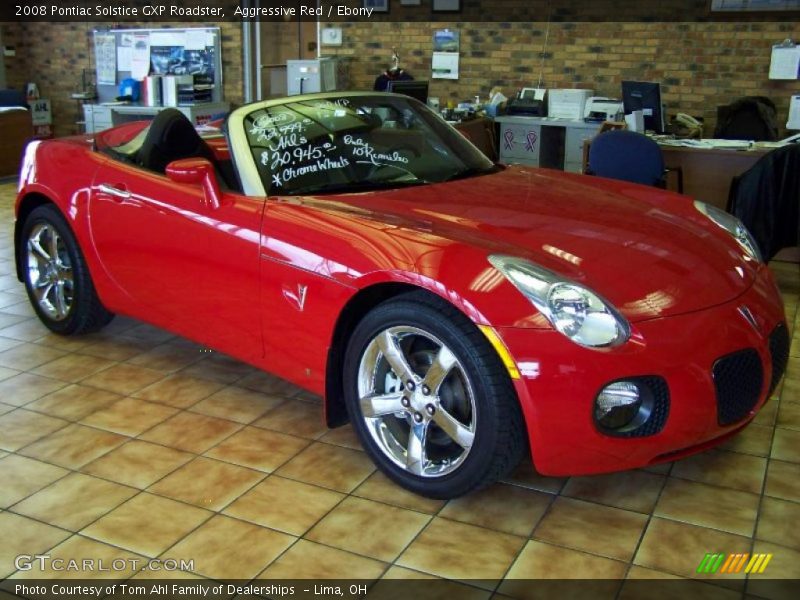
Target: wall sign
{"x":753,"y":5}
{"x":444,"y":63}
{"x":446,"y":5}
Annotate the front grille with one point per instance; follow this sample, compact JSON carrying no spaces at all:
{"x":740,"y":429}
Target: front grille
{"x":738,"y":379}
{"x":779,"y":354}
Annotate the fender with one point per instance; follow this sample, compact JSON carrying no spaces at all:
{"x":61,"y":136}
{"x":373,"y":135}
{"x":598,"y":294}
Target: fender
{"x":73,"y":205}
{"x":426,"y":283}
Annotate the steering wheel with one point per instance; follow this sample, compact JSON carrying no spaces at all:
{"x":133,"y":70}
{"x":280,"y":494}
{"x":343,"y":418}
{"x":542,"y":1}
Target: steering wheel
{"x":375,"y":168}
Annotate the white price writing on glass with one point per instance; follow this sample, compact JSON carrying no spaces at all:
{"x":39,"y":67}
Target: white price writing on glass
{"x":284,"y":158}
{"x":269,"y":127}
{"x":288,"y":141}
{"x":363,"y":149}
{"x":332,"y":104}
{"x":289,"y":173}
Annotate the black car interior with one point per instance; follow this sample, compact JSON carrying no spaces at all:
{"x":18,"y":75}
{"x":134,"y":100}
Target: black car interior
{"x":171,"y":136}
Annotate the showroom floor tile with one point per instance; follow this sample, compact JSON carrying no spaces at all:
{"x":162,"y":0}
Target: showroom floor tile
{"x":74,"y":501}
{"x":255,"y":547}
{"x":79,"y":546}
{"x":307,"y":560}
{"x":134,"y":443}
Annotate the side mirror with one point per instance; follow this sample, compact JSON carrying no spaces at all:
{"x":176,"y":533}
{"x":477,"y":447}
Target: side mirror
{"x":196,"y":170}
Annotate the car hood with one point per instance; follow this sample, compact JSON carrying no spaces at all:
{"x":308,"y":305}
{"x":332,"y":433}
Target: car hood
{"x":648,"y":251}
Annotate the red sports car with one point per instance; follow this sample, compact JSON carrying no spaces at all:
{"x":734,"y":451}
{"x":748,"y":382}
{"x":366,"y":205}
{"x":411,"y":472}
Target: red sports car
{"x":457,"y":312}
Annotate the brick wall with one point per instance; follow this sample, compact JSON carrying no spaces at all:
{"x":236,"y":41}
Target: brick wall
{"x":700,"y":65}
{"x":53,"y":55}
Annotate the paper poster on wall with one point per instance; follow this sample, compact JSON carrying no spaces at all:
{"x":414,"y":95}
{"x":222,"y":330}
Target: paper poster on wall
{"x":105,"y":52}
{"x":197,"y":39}
{"x":785,"y":63}
{"x":165,"y":60}
{"x":445,"y":40}
{"x":794,"y":113}
{"x":177,"y":60}
{"x":444,"y":65}
{"x":167,"y":37}
{"x":124,"y":57}
{"x":41,"y":113}
{"x":140,"y":59}
{"x":124,"y":52}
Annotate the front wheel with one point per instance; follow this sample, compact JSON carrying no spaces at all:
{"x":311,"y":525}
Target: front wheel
{"x":430,"y":399}
{"x":56,"y":276}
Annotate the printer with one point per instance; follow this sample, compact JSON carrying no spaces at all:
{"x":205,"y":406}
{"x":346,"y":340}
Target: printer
{"x":530,"y":102}
{"x":600,"y":109}
{"x":526,"y":108}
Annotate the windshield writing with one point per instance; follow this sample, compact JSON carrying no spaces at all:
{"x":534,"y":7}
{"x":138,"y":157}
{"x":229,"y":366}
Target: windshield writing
{"x":325,"y":145}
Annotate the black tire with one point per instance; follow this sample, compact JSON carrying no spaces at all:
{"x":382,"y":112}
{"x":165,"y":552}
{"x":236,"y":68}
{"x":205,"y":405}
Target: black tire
{"x":498,"y":439}
{"x":80,"y":310}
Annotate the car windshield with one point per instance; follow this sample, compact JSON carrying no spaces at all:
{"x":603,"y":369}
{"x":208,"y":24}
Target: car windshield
{"x":356,"y":143}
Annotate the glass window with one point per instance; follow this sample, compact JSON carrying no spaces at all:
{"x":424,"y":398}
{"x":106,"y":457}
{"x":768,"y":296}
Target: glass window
{"x":356,"y":143}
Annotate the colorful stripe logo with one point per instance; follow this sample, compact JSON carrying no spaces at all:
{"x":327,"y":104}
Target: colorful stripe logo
{"x":734,"y":563}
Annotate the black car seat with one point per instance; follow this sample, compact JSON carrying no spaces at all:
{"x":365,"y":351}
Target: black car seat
{"x":171,"y":137}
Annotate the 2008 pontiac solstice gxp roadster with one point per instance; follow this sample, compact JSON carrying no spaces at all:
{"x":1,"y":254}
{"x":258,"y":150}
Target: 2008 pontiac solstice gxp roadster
{"x":456,"y":312}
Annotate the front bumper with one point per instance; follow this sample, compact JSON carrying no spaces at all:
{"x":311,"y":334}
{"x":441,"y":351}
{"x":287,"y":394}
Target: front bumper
{"x":560,"y":381}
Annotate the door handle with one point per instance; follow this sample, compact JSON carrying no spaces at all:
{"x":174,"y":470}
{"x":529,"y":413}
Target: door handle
{"x":114,"y":191}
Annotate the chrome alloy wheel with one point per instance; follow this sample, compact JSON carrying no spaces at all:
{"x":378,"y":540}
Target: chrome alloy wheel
{"x":50,"y":272}
{"x":416,"y":401}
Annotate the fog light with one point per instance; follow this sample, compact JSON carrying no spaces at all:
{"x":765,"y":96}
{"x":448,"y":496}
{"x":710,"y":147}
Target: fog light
{"x":617,"y":405}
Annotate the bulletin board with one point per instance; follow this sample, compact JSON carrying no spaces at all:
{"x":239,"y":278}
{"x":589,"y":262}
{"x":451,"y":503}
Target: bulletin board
{"x":136,"y":53}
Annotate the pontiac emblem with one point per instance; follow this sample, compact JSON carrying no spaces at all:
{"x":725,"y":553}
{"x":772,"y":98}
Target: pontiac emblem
{"x":296,"y":298}
{"x":748,"y":315}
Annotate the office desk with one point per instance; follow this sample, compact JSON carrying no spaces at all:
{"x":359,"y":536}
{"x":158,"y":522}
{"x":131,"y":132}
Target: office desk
{"x":707,"y":172}
{"x":104,"y":116}
{"x":544,"y":142}
{"x":17,"y":132}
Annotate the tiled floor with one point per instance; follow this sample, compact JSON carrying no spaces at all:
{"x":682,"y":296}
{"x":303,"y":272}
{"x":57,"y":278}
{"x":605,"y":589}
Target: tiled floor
{"x":133,"y":443}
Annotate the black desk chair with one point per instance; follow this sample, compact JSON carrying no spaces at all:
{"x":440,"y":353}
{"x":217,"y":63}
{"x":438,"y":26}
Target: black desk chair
{"x":766,"y":198}
{"x":627,"y":156}
{"x":749,"y":118}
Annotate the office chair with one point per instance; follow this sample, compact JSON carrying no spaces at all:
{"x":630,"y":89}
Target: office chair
{"x":766,"y":198}
{"x":749,"y":118}
{"x":628,"y":156}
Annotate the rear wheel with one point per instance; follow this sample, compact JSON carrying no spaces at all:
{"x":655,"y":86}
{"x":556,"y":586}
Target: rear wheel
{"x":430,"y":399}
{"x":56,"y":277}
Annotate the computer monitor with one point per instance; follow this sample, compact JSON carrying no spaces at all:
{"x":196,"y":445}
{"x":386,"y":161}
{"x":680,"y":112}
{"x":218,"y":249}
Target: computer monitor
{"x":410,"y":87}
{"x":644,"y":96}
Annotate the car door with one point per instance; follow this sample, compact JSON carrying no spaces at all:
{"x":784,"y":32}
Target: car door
{"x":185,"y":265}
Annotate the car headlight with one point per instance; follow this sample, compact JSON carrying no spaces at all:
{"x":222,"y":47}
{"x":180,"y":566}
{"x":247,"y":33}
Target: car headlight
{"x":733,"y":226}
{"x":572,"y":309}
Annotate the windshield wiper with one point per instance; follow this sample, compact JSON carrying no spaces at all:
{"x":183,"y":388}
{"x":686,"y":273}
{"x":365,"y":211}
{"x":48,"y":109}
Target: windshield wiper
{"x":354,"y":186}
